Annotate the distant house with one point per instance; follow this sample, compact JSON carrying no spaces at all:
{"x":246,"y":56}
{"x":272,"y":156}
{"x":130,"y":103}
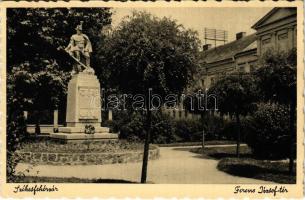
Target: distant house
{"x":239,"y":55}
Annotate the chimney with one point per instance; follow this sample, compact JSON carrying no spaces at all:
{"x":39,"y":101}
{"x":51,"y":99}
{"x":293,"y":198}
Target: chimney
{"x":240,"y":35}
{"x":206,"y":47}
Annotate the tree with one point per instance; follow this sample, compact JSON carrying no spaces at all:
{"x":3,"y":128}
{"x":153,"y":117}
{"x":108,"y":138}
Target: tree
{"x":236,"y":94}
{"x":37,"y":90}
{"x":36,"y":33}
{"x":277,"y":82}
{"x":268,"y":131}
{"x":146,"y":52}
{"x":37,"y":71}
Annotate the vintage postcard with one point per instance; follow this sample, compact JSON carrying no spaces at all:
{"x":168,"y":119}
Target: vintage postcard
{"x":152,"y":99}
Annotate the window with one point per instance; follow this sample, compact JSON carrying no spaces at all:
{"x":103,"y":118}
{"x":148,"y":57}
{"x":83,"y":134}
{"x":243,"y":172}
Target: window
{"x":202,"y":83}
{"x":266,"y":44}
{"x":283,"y":42}
{"x":283,"y":36}
{"x":252,"y":68}
{"x":212,"y":81}
{"x":266,"y":41}
{"x":242,"y":69}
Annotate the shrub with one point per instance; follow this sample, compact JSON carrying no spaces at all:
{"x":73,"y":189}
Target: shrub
{"x":213,"y":126}
{"x":188,"y":130}
{"x":257,"y":169}
{"x":268,"y":132}
{"x":165,"y":129}
{"x":134,"y":128}
{"x":230,"y":128}
{"x":11,"y":163}
{"x":120,"y":118}
{"x":113,"y":125}
{"x":162,"y":131}
{"x":16,"y":133}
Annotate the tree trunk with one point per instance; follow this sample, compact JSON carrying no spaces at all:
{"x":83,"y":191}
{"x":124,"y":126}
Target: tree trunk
{"x":292,"y":135}
{"x":222,"y":121}
{"x":202,"y":121}
{"x":146,"y":146}
{"x":238,"y":135}
{"x":37,"y":126}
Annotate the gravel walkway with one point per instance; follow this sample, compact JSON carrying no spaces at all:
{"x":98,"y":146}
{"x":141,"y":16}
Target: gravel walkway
{"x":175,"y":165}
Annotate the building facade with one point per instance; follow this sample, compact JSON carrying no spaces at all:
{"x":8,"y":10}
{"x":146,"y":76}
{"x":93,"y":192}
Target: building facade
{"x":277,"y":30}
{"x":237,"y":56}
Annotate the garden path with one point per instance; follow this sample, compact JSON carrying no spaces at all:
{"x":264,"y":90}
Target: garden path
{"x":175,"y":165}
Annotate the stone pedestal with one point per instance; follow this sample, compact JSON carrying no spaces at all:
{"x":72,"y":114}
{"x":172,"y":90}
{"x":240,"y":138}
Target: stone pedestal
{"x":83,"y":108}
{"x":83,"y":101}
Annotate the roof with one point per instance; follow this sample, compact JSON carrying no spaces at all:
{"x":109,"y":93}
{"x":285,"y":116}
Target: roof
{"x":264,"y":18}
{"x":252,"y":47}
{"x":274,"y":15}
{"x":228,"y":50}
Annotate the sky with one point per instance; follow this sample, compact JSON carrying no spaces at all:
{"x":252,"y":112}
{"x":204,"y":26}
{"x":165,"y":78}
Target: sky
{"x":233,"y":20}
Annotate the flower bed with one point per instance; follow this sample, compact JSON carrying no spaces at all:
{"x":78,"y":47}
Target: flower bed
{"x":84,"y":147}
{"x":94,"y":153}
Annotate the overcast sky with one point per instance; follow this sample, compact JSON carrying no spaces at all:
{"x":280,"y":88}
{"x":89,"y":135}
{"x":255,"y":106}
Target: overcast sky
{"x":232,"y":20}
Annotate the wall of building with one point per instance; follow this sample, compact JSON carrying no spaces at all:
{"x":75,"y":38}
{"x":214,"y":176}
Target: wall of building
{"x":246,"y":62}
{"x":214,"y":70}
{"x":280,"y":35}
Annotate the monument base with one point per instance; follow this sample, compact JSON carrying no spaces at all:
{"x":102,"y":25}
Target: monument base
{"x":81,"y":137}
{"x":77,"y":134}
{"x":83,"y":108}
{"x":72,"y":130}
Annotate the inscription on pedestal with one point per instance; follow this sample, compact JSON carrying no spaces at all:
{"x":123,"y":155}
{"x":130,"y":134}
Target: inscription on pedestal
{"x":89,"y":103}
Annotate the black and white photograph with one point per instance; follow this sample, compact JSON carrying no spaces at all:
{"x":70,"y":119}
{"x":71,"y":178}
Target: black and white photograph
{"x":152,"y":95}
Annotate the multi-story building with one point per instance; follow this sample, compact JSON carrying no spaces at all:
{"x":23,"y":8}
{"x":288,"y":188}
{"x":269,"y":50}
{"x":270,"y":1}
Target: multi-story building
{"x":276,"y":30}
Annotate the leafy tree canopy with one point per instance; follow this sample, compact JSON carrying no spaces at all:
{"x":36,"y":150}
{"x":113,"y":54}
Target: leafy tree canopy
{"x":235,"y":93}
{"x":277,"y":76}
{"x":35,"y":34}
{"x":149,"y":52}
{"x":37,"y":70}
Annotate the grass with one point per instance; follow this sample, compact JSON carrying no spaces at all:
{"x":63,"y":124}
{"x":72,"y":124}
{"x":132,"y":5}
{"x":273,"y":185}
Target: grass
{"x":35,"y":179}
{"x":247,"y":165}
{"x":211,"y":142}
{"x":222,"y":152}
{"x":258,"y":169}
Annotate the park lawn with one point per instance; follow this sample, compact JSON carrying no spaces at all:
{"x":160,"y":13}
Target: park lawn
{"x":222,"y":152}
{"x":209,"y":142}
{"x":275,"y":171}
{"x":247,"y":165}
{"x":36,"y":179}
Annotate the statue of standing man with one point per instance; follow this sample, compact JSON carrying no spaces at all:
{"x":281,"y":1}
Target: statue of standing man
{"x":80,"y":49}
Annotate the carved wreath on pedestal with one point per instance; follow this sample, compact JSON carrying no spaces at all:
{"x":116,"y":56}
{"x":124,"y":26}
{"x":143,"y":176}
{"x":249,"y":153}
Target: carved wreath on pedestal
{"x":89,"y":129}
